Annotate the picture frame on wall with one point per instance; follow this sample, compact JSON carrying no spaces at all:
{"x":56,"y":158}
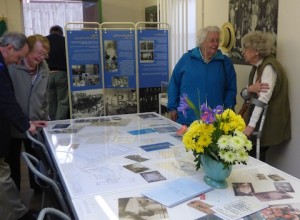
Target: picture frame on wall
{"x":248,"y":16}
{"x":151,"y":15}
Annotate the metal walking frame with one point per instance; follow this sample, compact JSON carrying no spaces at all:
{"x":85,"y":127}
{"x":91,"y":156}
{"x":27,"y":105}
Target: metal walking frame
{"x":258,"y":133}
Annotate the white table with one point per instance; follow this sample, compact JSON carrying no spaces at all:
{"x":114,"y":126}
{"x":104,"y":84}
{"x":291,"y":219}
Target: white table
{"x":94,"y":157}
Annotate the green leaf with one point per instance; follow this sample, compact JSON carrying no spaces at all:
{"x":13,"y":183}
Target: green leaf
{"x":192,"y":106}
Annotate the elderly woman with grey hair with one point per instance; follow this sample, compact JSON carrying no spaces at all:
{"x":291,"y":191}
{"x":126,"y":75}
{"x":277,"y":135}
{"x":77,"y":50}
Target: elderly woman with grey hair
{"x":268,"y":83}
{"x":205,"y":75}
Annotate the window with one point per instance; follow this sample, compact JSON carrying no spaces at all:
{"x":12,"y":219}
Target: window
{"x":39,"y":16}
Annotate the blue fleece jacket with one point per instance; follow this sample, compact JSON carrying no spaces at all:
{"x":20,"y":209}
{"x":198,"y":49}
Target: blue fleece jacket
{"x":213,"y":83}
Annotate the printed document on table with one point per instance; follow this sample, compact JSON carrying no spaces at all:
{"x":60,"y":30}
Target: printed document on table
{"x":239,"y":208}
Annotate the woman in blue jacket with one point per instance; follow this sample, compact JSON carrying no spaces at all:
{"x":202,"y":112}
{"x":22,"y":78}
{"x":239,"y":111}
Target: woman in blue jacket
{"x":205,"y":75}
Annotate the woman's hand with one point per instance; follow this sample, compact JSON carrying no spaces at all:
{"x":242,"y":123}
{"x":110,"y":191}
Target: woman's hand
{"x":173,"y":115}
{"x":258,"y":87}
{"x":248,"y":131}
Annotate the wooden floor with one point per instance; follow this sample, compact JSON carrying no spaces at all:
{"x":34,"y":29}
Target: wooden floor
{"x":31,"y":199}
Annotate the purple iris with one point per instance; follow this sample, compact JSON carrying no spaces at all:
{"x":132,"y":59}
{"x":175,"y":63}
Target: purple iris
{"x":209,"y":115}
{"x":219,"y":109}
{"x":183,"y":106}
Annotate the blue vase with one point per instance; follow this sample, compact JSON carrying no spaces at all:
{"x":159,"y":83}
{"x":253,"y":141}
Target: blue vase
{"x":215,"y":174}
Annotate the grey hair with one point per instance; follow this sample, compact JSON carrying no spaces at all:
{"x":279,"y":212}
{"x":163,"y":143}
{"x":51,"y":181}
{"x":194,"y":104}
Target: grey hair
{"x":16,"y":39}
{"x":202,"y":33}
{"x":264,"y":43}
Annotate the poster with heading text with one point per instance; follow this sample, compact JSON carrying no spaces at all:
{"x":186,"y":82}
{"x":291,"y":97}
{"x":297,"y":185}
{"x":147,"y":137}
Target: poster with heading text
{"x":85,"y":78}
{"x":153,"y":67}
{"x":119,"y":58}
{"x":153,"y":57}
{"x":119,"y":71}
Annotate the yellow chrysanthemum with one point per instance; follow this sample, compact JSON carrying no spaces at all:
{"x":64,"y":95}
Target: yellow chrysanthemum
{"x":205,"y":140}
{"x":224,"y":138}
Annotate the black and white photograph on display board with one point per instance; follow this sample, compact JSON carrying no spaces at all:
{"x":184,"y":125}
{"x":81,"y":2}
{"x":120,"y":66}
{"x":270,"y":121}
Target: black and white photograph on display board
{"x":149,"y":99}
{"x":146,"y":51}
{"x":120,"y":101}
{"x":110,"y":55}
{"x":85,"y":75}
{"x":119,"y":81}
{"x":87,"y":103}
{"x":247,"y":16}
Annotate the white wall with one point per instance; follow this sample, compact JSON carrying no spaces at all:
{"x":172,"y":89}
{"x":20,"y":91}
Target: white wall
{"x":119,"y":11}
{"x":11,"y":9}
{"x":288,"y":157}
{"x":285,"y":157}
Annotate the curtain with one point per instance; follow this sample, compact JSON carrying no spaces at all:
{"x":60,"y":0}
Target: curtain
{"x":181,"y":16}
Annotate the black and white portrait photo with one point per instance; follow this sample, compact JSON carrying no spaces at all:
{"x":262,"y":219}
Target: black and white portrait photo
{"x":248,"y":16}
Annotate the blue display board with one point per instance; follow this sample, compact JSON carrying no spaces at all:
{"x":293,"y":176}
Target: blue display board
{"x":152,"y":57}
{"x":119,"y":58}
{"x":103,"y":74}
{"x":84,"y":59}
{"x":85,"y":77}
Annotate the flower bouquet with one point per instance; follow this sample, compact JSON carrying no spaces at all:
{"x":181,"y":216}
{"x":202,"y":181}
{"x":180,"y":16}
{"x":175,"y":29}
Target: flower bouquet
{"x":217,"y":134}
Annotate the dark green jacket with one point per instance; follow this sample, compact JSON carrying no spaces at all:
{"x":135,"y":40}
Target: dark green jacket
{"x":277,"y":127}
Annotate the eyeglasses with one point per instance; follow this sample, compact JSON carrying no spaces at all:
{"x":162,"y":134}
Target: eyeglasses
{"x":41,"y":54}
{"x":213,"y":40}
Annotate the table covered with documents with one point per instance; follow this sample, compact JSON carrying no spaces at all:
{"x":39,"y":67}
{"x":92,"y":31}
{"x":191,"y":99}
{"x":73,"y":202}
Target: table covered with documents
{"x":108,"y":165}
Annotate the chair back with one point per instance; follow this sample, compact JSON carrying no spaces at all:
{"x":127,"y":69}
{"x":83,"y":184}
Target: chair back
{"x":52,"y":212}
{"x":43,"y":154}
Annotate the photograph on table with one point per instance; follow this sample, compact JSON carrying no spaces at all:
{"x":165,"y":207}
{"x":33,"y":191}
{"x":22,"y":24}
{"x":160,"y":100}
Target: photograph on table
{"x":277,"y":212}
{"x":272,"y":195}
{"x":153,"y":176}
{"x":243,"y":189}
{"x":260,"y":176}
{"x":136,"y":167}
{"x":275,"y":177}
{"x":137,"y":158}
{"x":285,"y":186}
{"x":141,"y":208}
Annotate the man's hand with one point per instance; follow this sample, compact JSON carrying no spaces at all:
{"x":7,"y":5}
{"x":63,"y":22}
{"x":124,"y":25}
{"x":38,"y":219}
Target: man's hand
{"x":40,"y":124}
{"x":36,"y":124}
{"x":258,"y":88}
{"x":173,"y":115}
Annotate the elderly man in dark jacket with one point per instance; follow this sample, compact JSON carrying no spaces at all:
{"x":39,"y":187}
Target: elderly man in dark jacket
{"x":13,"y":47}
